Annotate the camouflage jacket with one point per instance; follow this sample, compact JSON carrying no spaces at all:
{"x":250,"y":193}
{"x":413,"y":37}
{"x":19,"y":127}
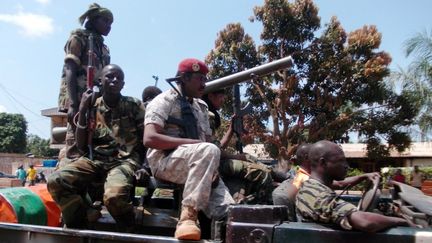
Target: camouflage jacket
{"x":119,"y":130}
{"x":317,"y":202}
{"x":76,"y":49}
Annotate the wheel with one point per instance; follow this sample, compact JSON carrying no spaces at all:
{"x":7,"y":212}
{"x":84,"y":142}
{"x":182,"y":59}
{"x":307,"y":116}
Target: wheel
{"x":370,"y":197}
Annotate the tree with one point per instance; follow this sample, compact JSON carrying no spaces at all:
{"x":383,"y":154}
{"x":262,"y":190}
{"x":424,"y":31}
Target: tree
{"x":335,"y":88}
{"x":417,"y":77}
{"x":40,"y":147}
{"x":13,"y":128}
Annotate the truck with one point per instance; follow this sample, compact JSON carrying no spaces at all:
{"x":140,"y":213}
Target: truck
{"x":156,"y":218}
{"x":246,"y":223}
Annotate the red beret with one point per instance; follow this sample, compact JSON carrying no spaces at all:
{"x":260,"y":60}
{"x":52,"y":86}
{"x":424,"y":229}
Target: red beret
{"x":192,"y":65}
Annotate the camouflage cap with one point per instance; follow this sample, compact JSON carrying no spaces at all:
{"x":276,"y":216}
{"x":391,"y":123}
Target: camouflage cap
{"x":95,"y":10}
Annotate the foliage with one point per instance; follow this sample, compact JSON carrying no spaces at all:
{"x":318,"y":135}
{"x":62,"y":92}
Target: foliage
{"x":335,"y":87}
{"x":417,"y":78}
{"x":356,"y":172}
{"x":40,"y":147}
{"x":13,"y":128}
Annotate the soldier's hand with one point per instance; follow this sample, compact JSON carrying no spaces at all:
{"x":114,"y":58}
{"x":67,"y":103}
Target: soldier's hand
{"x":142,"y":177}
{"x":86,"y":101}
{"x":372,"y":176}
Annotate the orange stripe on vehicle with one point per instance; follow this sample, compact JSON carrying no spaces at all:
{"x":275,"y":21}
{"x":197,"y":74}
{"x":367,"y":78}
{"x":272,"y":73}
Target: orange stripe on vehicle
{"x":52,"y":209}
{"x":7,"y":213}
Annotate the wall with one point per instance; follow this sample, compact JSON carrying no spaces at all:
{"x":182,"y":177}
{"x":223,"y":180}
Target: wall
{"x":10,"y":162}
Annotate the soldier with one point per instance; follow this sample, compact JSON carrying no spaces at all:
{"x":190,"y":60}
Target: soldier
{"x":177,"y":133}
{"x":117,"y":152}
{"x":317,"y":202}
{"x":248,"y":180}
{"x":97,"y":22}
{"x":286,"y":192}
{"x":149,"y":93}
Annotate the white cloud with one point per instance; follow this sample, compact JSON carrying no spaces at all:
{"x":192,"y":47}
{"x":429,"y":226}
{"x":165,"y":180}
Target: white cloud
{"x":2,"y":109}
{"x":31,"y":25}
{"x":43,"y":2}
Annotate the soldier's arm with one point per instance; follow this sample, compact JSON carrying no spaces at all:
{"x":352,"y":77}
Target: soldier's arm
{"x":81,"y":132}
{"x":72,"y":62}
{"x":227,"y":136}
{"x":154,"y":138}
{"x":71,"y":70}
{"x":354,"y":180}
{"x":372,"y":222}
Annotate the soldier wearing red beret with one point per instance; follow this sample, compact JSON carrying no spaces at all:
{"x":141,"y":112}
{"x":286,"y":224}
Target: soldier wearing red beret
{"x":178,"y":135}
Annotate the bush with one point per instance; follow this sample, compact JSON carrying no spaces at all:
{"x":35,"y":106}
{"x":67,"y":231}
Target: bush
{"x":356,"y":172}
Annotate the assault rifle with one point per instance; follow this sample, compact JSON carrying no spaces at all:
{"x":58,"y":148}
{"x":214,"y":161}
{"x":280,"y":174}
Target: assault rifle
{"x":188,"y":122}
{"x":239,"y":112}
{"x":91,"y":115}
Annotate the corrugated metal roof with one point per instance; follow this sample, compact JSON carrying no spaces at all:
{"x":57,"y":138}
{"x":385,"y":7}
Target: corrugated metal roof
{"x":52,"y":112}
{"x":355,"y":150}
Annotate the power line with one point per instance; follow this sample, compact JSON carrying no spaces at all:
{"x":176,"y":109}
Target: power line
{"x":13,"y":99}
{"x":27,"y":98}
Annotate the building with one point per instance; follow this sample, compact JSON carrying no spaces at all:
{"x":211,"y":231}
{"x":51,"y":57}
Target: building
{"x":58,"y":127}
{"x":418,"y":154}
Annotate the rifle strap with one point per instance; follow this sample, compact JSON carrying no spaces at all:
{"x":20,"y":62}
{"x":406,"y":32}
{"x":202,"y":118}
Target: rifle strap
{"x":188,"y":122}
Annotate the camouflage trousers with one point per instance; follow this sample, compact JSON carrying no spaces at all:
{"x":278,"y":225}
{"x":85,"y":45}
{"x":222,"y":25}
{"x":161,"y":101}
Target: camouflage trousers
{"x":68,"y":187}
{"x":248,"y":181}
{"x":195,"y":167}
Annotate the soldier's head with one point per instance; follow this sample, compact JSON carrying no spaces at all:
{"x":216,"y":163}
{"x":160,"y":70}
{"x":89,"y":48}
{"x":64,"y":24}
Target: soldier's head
{"x":302,"y":156}
{"x":97,"y":18}
{"x":328,"y":160}
{"x":215,"y":99}
{"x":191,"y":77}
{"x":150,"y":92}
{"x":112,"y":79}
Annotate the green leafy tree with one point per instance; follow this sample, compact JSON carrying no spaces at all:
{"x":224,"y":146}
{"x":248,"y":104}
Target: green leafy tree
{"x":40,"y":147}
{"x":417,"y":78}
{"x":13,"y":128}
{"x":335,"y":88}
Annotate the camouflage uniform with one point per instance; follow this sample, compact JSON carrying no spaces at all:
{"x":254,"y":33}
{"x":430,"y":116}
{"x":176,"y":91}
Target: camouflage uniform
{"x":76,"y":49}
{"x":193,"y":165}
{"x":118,"y":152}
{"x":319,"y":203}
{"x":250,"y":177}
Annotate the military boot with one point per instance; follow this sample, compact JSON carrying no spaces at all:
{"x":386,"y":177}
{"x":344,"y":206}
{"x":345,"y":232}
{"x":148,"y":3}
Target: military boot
{"x":187,"y":228}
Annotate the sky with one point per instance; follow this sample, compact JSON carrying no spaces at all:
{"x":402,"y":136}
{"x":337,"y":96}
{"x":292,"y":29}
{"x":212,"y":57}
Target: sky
{"x":149,"y":38}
